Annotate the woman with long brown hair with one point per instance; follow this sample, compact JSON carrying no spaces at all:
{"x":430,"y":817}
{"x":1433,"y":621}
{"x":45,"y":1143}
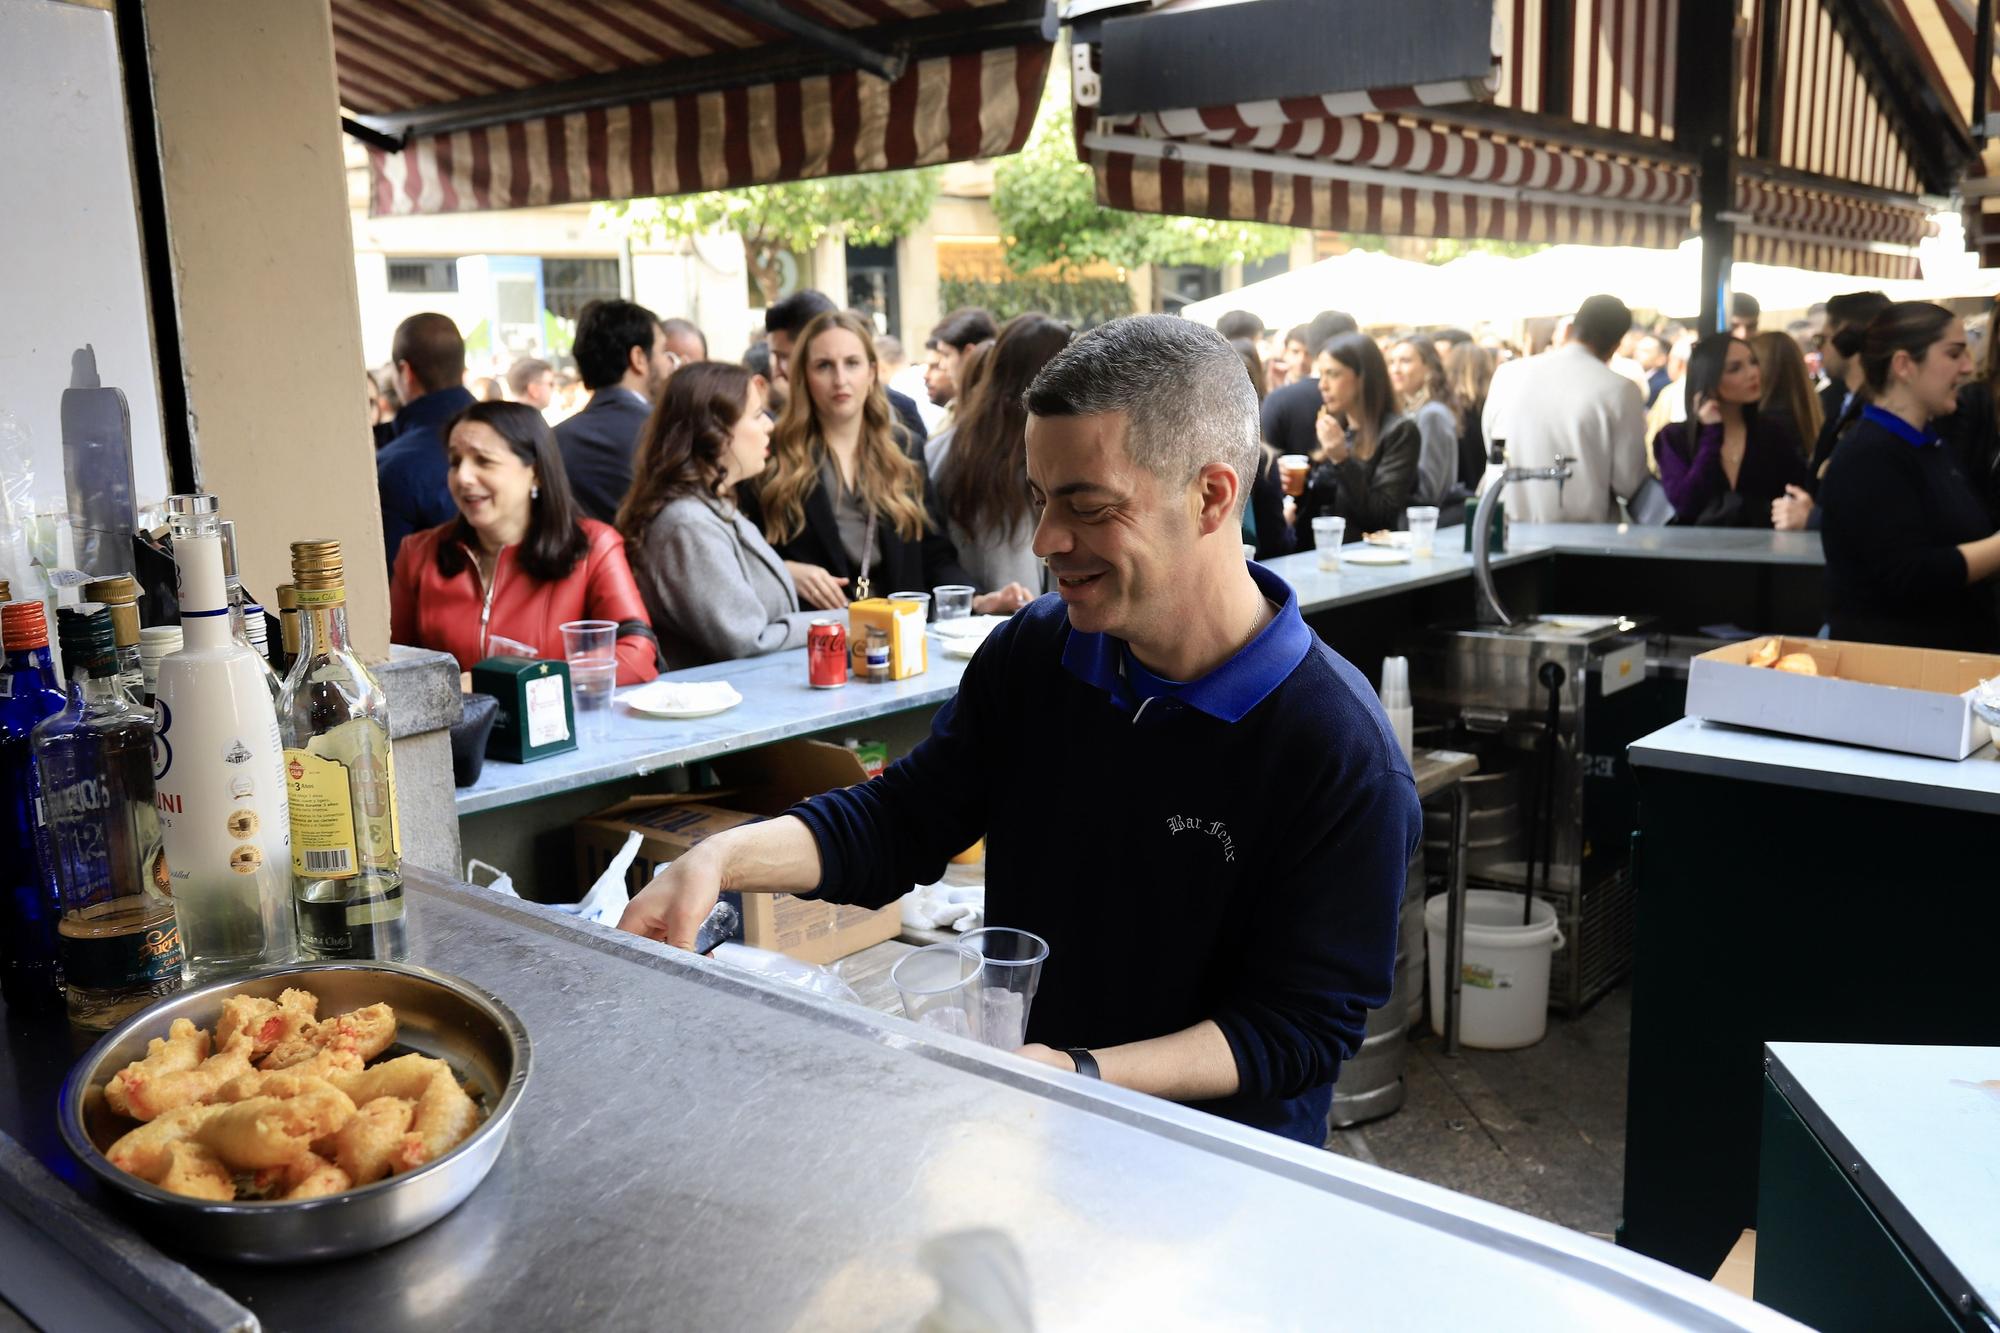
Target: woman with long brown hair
{"x":1424,"y":395}
{"x":981,"y":470}
{"x":842,"y":501}
{"x":713,"y":586}
{"x":1468,"y":368}
{"x":1788,"y":388}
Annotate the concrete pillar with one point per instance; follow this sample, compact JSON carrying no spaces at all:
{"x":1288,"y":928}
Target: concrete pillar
{"x":1232,"y":276}
{"x":1141,"y":281}
{"x":829,"y":268}
{"x":917,"y":287}
{"x":1305,"y":250}
{"x":264,"y":282}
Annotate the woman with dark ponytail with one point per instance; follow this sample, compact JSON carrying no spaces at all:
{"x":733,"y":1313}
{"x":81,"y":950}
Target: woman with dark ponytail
{"x":1910,"y":549}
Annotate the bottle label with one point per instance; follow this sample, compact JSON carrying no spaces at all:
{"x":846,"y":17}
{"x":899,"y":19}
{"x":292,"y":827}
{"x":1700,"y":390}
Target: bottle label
{"x":354,"y":928}
{"x":322,"y":597}
{"x":342,"y":787}
{"x":323,"y":845}
{"x":133,"y":958}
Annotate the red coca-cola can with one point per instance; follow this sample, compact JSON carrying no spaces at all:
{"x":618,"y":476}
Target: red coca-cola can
{"x":826,"y":654}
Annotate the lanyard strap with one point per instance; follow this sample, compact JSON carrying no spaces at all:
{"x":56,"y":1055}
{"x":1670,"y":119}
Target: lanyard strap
{"x":867,"y":556}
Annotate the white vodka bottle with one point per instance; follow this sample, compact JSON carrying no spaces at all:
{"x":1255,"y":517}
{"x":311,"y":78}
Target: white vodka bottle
{"x":220,"y":782}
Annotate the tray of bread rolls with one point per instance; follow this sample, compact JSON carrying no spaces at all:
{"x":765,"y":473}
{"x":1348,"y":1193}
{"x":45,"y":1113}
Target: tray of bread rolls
{"x":300,"y":1113}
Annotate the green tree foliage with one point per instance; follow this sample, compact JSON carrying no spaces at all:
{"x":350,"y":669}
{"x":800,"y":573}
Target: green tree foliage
{"x":1083,"y":302}
{"x":1047,"y":204}
{"x":872,"y":209}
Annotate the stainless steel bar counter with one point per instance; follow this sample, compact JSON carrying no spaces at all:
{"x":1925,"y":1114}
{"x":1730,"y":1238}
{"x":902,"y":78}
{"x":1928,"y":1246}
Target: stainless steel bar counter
{"x":700,"y":1149}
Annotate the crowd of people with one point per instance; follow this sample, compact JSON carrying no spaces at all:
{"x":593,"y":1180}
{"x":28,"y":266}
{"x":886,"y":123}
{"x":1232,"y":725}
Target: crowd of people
{"x":712,"y":510}
{"x":1865,"y":420}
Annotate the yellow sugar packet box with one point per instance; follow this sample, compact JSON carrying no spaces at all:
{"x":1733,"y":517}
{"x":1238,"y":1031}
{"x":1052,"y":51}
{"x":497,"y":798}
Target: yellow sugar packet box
{"x":902,"y":621}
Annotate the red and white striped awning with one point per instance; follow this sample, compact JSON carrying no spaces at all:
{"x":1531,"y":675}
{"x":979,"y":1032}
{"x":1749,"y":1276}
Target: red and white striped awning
{"x":1572,"y":139}
{"x":523,"y":103}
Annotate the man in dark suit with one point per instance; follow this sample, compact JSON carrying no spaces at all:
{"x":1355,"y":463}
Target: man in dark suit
{"x":429,"y":357}
{"x":1847,"y":319}
{"x":1289,"y":413}
{"x":621,"y":353}
{"x":783,"y":323}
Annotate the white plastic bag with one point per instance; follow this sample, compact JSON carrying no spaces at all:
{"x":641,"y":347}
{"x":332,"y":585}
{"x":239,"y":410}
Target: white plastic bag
{"x":779,"y":967}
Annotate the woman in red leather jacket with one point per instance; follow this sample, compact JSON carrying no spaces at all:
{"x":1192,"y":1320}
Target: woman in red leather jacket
{"x":518,"y":561}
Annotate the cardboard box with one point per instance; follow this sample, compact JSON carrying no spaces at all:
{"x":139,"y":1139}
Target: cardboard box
{"x":1915,"y":700}
{"x":761,"y":783}
{"x":903,"y":622}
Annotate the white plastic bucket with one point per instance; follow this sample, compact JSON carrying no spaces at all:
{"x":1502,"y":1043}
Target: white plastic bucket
{"x":1504,"y":995}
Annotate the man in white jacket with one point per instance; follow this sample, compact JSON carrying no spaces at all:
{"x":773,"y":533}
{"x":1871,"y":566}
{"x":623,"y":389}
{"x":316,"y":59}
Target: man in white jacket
{"x":1569,"y":402}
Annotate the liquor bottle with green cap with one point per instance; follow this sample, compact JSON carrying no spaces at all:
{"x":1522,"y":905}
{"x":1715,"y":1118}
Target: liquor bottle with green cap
{"x":340,"y":779}
{"x":118,"y":943}
{"x":221,"y":771}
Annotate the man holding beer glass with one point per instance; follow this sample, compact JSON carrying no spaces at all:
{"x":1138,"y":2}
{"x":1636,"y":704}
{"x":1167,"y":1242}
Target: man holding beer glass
{"x":1195,"y":801}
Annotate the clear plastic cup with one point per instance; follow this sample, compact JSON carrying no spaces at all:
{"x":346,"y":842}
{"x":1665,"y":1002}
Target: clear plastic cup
{"x":1249,"y":553}
{"x":1423,"y":520}
{"x":1010,"y":972}
{"x":922,"y":599}
{"x":940,"y":985}
{"x":1292,"y":472}
{"x":591,"y":647}
{"x":952,"y":600}
{"x":1329,"y":535}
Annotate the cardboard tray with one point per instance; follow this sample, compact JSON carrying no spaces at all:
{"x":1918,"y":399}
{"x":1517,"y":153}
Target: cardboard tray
{"x":761,"y":783}
{"x":1912,"y":700}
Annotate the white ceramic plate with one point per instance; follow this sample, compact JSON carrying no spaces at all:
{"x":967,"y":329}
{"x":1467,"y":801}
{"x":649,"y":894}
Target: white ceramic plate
{"x":1374,"y":555}
{"x":678,"y":701}
{"x":960,"y":646}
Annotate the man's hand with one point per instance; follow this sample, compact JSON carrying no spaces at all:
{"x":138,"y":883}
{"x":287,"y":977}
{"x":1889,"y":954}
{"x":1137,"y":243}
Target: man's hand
{"x":1004,"y":602}
{"x":1790,"y":510}
{"x":818,"y":589}
{"x":1047,"y":1055}
{"x":675,"y":904}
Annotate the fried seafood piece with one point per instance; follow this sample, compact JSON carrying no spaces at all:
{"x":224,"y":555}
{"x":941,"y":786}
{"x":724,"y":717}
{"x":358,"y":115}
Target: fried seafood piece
{"x":445,"y":1117}
{"x":367,"y":1145}
{"x":1799,"y":664}
{"x":406,"y":1076}
{"x":184,"y":1047}
{"x":268,"y":1131}
{"x":367,"y":1032}
{"x":149,"y":1098}
{"x":1766,"y":654}
{"x":266,"y":1022}
{"x":287,"y":1082}
{"x":307,"y":1176}
{"x":146,"y":1151}
{"x":196,"y":1172}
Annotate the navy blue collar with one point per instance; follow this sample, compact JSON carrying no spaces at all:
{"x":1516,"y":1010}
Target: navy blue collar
{"x":1230,"y":691}
{"x":1898,"y":427}
{"x":433,"y":409}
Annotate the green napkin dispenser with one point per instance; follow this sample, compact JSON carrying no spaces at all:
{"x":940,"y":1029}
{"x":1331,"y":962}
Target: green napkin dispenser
{"x":537,"y":715}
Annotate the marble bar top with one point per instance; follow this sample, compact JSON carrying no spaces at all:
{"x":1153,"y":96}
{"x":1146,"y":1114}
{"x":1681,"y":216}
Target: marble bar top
{"x":1717,"y":749}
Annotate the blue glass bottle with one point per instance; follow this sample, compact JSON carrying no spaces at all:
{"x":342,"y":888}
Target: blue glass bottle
{"x":117,"y":940}
{"x":29,"y":692}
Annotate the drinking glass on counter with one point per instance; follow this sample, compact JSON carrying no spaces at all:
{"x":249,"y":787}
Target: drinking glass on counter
{"x":1010,"y":973}
{"x":922,"y":599}
{"x":1329,"y":533}
{"x":953,"y":601}
{"x":1423,"y":520}
{"x":591,"y":648}
{"x":941,"y":988}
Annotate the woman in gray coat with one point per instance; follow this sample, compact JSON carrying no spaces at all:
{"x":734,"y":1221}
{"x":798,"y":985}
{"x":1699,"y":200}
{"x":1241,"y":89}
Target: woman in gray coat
{"x":714,"y":587}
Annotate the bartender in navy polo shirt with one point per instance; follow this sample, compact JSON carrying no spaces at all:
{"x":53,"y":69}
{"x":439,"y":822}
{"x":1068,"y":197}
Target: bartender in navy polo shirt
{"x":1195,"y":801}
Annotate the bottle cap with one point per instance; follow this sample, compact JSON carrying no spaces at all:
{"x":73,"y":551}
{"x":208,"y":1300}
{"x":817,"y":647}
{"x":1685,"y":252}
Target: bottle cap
{"x":288,"y":597}
{"x":6,"y":593}
{"x":316,"y":565}
{"x":23,"y":625}
{"x":229,"y":567}
{"x":193,"y":506}
{"x":85,"y":631}
{"x":120,"y":592}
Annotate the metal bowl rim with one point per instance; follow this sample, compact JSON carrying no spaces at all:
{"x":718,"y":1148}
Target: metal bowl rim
{"x":69,"y":1114}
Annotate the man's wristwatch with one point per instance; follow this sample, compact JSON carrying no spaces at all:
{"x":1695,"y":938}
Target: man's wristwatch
{"x":1086,"y":1063}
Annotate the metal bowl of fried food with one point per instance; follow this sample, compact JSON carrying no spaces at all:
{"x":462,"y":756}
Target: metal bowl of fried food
{"x":439,"y":1016}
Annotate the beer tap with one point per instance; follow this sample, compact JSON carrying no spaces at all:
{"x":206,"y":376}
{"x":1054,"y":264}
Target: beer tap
{"x":1482,"y":534}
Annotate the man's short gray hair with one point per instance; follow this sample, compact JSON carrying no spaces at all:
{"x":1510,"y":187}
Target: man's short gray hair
{"x":1182,"y":387}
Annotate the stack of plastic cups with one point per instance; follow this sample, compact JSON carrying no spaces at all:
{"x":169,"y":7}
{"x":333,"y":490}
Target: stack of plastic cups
{"x":1396,"y":701}
{"x":156,"y":642}
{"x":256,"y":630}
